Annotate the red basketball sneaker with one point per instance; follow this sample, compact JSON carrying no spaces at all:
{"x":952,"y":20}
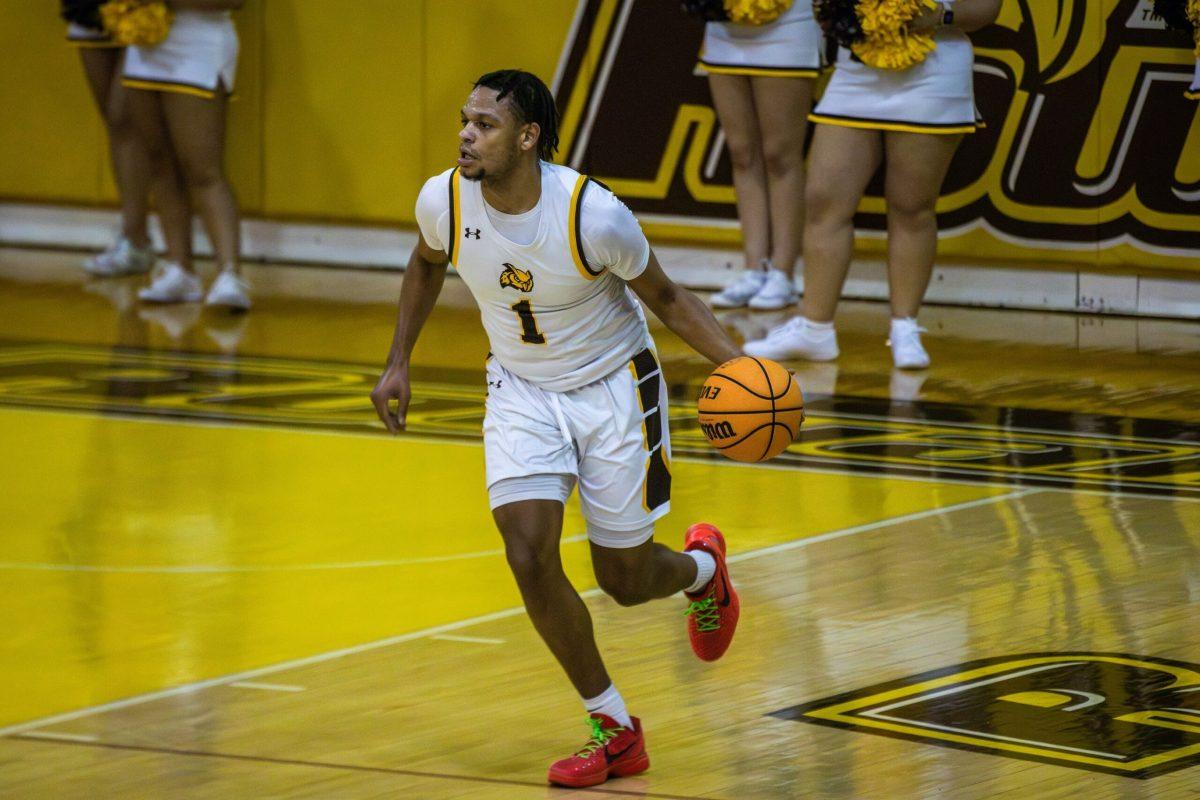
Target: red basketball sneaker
{"x":713,"y":612}
{"x":614,"y":751}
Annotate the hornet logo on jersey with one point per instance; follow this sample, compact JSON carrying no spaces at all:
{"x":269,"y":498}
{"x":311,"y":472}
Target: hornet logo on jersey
{"x":517,"y":278}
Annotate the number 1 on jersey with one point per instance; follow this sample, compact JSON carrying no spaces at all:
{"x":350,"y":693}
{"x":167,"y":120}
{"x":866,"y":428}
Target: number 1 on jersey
{"x":529,"y":329}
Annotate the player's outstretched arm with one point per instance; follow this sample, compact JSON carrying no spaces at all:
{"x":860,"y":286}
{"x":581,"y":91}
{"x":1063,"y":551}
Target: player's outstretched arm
{"x":423,"y":280}
{"x":684,"y":313}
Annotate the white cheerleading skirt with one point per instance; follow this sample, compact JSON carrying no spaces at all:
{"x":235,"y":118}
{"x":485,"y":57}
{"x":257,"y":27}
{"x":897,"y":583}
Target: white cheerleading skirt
{"x":198,"y":57}
{"x":790,"y":47}
{"x":934,"y":96}
{"x":83,"y":36}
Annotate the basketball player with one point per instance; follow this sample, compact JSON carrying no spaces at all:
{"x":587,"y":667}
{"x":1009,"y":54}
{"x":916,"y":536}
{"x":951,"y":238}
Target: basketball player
{"x":575,"y":393}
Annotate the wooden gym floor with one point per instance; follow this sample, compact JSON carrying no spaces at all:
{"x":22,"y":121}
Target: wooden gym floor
{"x":218,"y":578}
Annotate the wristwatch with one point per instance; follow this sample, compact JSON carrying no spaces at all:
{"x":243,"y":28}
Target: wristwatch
{"x":947,"y":13}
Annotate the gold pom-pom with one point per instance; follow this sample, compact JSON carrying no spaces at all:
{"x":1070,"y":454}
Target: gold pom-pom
{"x":887,"y":43}
{"x":1193,"y":13}
{"x":136,"y":22}
{"x":756,"y":12}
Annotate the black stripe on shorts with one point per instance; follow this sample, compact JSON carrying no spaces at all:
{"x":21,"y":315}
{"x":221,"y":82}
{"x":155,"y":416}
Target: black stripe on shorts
{"x":658,"y":474}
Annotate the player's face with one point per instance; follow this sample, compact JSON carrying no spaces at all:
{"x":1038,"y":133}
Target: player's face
{"x":492,"y":138}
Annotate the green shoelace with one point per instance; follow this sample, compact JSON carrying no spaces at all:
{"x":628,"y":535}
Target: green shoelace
{"x":708,"y":616}
{"x":600,"y":737}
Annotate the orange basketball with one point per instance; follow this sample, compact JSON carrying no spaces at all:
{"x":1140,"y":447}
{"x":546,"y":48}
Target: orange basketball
{"x":750,"y":409}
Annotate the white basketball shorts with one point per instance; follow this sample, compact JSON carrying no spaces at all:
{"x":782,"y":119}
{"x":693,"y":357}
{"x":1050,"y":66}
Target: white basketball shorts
{"x":611,"y":435}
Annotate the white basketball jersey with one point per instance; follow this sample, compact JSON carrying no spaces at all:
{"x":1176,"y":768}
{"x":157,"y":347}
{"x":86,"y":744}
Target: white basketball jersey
{"x":551,"y":318}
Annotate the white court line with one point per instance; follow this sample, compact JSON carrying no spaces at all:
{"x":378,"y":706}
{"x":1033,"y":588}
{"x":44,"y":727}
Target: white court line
{"x":268,"y":687}
{"x":452,"y":626}
{"x":447,"y":637}
{"x":61,"y":737}
{"x":187,"y":688}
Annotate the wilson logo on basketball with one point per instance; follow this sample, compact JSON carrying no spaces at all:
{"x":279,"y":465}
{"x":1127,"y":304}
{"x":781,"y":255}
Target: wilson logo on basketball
{"x":717,"y":430}
{"x":517,"y":278}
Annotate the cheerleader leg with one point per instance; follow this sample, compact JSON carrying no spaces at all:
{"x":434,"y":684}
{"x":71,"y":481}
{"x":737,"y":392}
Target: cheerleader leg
{"x":840,"y":165}
{"x":166,"y":179}
{"x":128,"y":155}
{"x":102,"y":68}
{"x":916,"y":166}
{"x":197,"y":130}
{"x":733,"y":98}
{"x":782,"y":105}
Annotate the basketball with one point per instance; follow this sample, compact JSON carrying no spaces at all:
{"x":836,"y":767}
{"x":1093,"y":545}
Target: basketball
{"x":750,"y":409}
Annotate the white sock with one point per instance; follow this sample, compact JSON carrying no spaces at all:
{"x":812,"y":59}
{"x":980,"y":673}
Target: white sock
{"x":817,"y":330}
{"x":706,"y":567}
{"x":610,"y":704}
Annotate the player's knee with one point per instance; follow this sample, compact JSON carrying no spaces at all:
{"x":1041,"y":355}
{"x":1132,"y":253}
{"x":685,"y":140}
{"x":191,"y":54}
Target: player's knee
{"x":530,"y":564}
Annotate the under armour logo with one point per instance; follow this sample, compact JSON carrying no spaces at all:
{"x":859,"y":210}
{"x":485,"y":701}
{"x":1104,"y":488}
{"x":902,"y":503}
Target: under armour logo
{"x":496,"y":383}
{"x":472,"y":234}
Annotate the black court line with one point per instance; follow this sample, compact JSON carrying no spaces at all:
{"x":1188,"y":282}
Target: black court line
{"x":291,"y":762}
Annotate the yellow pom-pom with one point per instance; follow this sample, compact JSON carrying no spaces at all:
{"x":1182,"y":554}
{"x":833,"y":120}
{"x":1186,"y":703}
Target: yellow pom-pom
{"x":1193,"y":12}
{"x":756,"y":12}
{"x":887,"y":43}
{"x":136,"y":22}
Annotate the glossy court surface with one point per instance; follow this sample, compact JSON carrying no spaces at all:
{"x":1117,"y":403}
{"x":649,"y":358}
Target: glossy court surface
{"x":219,"y":578}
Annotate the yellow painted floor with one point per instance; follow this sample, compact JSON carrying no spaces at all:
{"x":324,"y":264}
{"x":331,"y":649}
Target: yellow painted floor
{"x":195,"y":501}
{"x":263,"y":545}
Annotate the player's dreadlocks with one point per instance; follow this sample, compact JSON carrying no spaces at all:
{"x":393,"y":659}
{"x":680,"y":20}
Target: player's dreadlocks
{"x":532,"y":100}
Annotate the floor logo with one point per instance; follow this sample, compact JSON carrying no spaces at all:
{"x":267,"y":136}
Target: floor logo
{"x":1128,"y":715}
